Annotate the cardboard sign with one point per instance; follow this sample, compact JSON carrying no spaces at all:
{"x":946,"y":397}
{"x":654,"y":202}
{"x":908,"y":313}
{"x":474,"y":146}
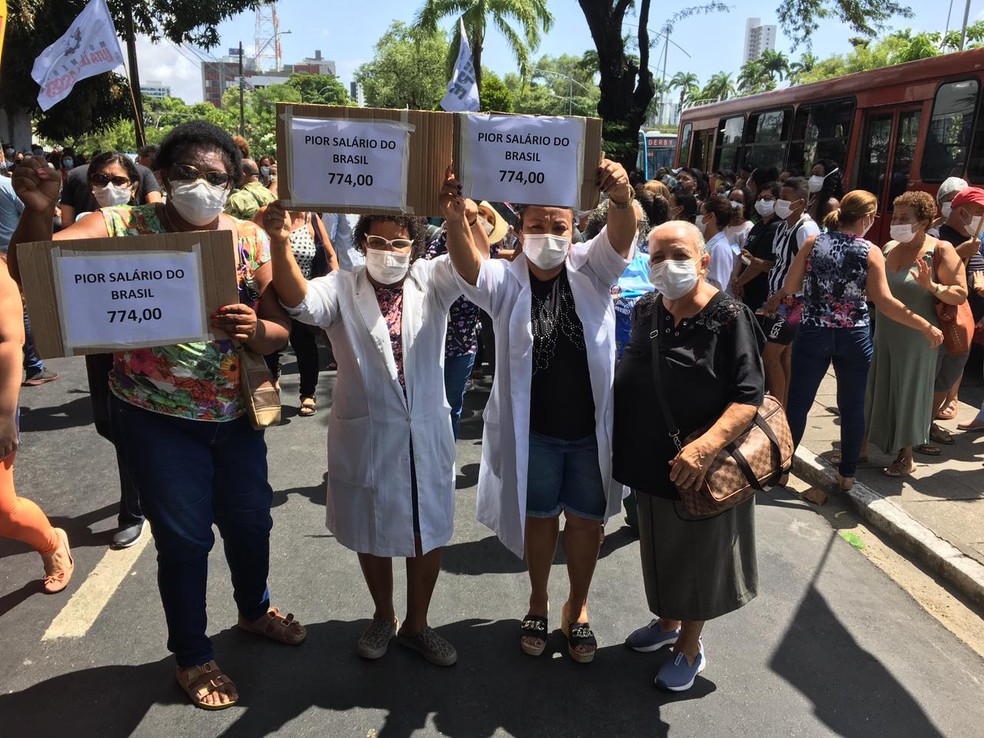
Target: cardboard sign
{"x":528,"y":159}
{"x":107,"y":294}
{"x":362,"y":160}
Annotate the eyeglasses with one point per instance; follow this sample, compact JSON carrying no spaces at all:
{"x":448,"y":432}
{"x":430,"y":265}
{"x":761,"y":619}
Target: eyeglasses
{"x":186,"y":172}
{"x":378,"y":242}
{"x":104,"y":179}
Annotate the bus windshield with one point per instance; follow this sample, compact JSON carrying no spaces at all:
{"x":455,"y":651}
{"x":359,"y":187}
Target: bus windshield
{"x":656,"y":150}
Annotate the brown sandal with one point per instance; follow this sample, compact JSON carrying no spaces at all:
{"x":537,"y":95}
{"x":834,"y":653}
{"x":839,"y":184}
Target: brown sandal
{"x":276,"y":627}
{"x":897,"y":468}
{"x":199,"y":682}
{"x":309,"y":406}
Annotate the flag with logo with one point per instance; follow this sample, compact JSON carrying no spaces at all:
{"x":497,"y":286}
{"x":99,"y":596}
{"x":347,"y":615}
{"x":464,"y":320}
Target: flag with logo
{"x":462,"y":94}
{"x":89,"y":47}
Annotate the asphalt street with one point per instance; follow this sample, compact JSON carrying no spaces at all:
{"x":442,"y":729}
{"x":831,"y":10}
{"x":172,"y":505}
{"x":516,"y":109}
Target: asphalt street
{"x":831,"y":646}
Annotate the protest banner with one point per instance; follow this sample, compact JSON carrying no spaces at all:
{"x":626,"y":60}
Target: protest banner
{"x":362,"y":160}
{"x":107,"y":294}
{"x":546,"y":160}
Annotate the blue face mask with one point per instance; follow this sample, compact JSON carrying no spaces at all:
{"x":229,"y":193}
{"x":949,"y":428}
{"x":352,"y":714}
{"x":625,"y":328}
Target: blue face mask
{"x":67,"y":163}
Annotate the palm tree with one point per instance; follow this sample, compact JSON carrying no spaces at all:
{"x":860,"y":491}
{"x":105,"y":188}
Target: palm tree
{"x":805,"y":64}
{"x":775,"y":64}
{"x":687,"y":83}
{"x":719,"y":87}
{"x":754,"y":78}
{"x":531,"y":16}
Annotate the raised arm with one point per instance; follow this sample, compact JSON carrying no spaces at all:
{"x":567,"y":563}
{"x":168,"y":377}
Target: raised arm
{"x":288,"y":281}
{"x":37,"y":184}
{"x":880,"y":294}
{"x":465,"y":255}
{"x":623,"y":222}
{"x":951,"y":284}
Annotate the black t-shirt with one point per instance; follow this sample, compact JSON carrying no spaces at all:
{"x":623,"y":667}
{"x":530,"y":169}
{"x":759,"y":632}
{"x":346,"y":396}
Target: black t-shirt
{"x":561,"y":403}
{"x":760,"y":242}
{"x":77,"y":193}
{"x":976,"y":264}
{"x":709,"y":361}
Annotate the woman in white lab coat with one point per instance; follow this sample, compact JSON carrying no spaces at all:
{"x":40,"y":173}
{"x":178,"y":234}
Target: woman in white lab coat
{"x":390,"y":446}
{"x":546,"y":446}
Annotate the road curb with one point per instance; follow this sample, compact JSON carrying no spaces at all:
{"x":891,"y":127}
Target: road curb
{"x":960,"y":570}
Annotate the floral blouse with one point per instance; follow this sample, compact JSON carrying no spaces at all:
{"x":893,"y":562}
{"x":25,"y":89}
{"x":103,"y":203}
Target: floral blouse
{"x":197,"y":381}
{"x":835,"y":282}
{"x":463,"y":317}
{"x":390,"y":300}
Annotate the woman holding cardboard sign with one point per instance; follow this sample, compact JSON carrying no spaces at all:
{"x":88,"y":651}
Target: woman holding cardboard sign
{"x":390,"y":445}
{"x":184,"y":431}
{"x":546,"y":446}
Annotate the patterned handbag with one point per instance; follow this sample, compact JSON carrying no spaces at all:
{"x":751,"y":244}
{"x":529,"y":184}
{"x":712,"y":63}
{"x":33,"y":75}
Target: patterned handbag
{"x":753,"y":462}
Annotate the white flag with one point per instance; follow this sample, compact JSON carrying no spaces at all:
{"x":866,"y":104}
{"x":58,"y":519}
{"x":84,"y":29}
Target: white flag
{"x":89,"y":47}
{"x":462,"y":94}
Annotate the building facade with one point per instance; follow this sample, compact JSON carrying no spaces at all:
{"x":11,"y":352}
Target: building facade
{"x":223,"y":74}
{"x":758,"y":38}
{"x":155,"y":89}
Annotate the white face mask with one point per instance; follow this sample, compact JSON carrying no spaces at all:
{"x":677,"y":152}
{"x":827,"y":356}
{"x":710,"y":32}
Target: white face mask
{"x":901,"y":232}
{"x":387,"y":267}
{"x":816,"y":183}
{"x":702,"y":224}
{"x":545,"y":250}
{"x":198,"y":202}
{"x":673,"y":279}
{"x":783,"y":208}
{"x":973,"y":226}
{"x":765,"y":208}
{"x":945,"y":210}
{"x":110,"y":195}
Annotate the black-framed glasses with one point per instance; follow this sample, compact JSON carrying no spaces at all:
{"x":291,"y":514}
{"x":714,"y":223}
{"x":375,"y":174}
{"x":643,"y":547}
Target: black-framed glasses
{"x":104,"y":179}
{"x":188,"y":173}
{"x":378,"y":242}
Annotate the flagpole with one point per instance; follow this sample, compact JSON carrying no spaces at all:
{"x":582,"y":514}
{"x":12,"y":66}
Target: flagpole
{"x":134,"y":76}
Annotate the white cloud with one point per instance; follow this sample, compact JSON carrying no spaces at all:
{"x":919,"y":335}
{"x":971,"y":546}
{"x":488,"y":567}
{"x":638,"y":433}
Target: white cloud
{"x":166,"y":63}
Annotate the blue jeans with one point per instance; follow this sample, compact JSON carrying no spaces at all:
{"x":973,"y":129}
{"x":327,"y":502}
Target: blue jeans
{"x":850,"y":351}
{"x":457,"y":369}
{"x":190,"y":474}
{"x":564,"y":475}
{"x":32,"y":363}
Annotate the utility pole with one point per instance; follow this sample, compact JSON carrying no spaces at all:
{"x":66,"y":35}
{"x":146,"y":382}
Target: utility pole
{"x":963,"y":32}
{"x":242,"y":93}
{"x":135,"y":98}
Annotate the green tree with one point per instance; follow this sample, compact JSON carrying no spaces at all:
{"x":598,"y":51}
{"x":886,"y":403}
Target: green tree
{"x":319,"y":89}
{"x":407,"y":69}
{"x":96,"y":103}
{"x":627,"y":83}
{"x":753,"y":78}
{"x":895,"y":48}
{"x":798,"y":68}
{"x":688,"y":84}
{"x":719,"y":87}
{"x":775,"y":64}
{"x":495,"y":95}
{"x":530,"y":16}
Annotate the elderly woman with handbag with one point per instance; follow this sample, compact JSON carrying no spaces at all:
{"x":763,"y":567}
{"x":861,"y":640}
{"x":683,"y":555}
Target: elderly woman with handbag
{"x":704,"y":346}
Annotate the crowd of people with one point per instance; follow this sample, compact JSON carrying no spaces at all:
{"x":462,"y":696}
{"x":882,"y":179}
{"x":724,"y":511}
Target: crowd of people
{"x":708,"y":291}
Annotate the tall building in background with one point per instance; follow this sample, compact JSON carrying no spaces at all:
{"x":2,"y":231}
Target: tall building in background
{"x":156,"y":89}
{"x":758,"y":38}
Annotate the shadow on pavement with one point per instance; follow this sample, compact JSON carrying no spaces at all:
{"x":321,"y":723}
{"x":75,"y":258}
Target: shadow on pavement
{"x":12,"y":599}
{"x":71,"y":414}
{"x":851,"y":691}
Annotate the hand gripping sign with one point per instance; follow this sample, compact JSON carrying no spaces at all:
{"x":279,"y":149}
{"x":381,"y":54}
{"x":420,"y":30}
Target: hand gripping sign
{"x":529,"y":159}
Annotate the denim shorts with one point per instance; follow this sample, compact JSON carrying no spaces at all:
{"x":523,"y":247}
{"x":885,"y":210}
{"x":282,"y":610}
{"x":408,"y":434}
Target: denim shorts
{"x":564,"y":475}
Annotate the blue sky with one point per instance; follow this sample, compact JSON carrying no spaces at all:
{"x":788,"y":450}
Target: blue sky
{"x":347,"y":32}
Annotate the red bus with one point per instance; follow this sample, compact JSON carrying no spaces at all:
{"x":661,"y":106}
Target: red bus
{"x":908,"y":126}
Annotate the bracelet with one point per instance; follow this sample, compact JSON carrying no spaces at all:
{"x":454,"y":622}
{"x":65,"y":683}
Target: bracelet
{"x":939,"y":288}
{"x":622,"y":205}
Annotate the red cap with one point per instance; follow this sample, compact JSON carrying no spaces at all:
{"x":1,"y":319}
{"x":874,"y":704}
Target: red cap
{"x":968,"y":196}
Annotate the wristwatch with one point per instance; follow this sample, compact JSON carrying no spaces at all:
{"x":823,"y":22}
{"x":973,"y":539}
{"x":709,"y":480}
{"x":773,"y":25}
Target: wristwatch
{"x":939,"y":289}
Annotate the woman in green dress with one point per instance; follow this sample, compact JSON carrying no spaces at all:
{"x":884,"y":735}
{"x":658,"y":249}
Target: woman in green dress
{"x":900,"y":384}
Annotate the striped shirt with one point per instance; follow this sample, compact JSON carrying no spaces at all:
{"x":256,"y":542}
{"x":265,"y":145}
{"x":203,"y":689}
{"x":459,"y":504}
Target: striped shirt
{"x":787,"y":243}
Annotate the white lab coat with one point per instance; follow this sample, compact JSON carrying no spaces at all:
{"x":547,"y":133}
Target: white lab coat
{"x":503,"y":291}
{"x":369,"y":506}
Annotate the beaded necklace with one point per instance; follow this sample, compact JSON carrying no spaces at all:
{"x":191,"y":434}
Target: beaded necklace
{"x":552,"y":316}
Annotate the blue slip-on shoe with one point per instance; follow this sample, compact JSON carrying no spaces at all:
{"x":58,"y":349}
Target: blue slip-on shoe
{"x":651,"y":637}
{"x":678,"y":675}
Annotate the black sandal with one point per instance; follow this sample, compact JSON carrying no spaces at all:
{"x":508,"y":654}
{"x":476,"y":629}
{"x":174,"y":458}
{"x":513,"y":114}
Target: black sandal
{"x":535,"y":627}
{"x":579,"y":635}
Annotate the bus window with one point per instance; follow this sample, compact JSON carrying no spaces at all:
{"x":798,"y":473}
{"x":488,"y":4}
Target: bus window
{"x":874,"y":153}
{"x":729,"y":143}
{"x":905,"y":149}
{"x":821,"y":131}
{"x":767,"y":144}
{"x":948,"y":138}
{"x":641,"y":157}
{"x":685,"y":145}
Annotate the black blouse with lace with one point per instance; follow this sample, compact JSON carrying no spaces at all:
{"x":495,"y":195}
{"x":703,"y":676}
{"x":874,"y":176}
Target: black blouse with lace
{"x":709,"y":361}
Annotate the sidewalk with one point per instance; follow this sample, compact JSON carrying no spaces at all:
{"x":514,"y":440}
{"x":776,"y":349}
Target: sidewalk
{"x":937,"y":513}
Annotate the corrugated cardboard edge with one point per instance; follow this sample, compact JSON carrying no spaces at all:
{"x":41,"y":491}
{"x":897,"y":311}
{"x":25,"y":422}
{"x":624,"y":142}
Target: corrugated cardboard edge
{"x":218,"y":258}
{"x":430,"y":152}
{"x":591,"y":153}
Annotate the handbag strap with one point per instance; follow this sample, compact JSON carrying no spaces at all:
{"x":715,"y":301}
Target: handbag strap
{"x":672,"y":429}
